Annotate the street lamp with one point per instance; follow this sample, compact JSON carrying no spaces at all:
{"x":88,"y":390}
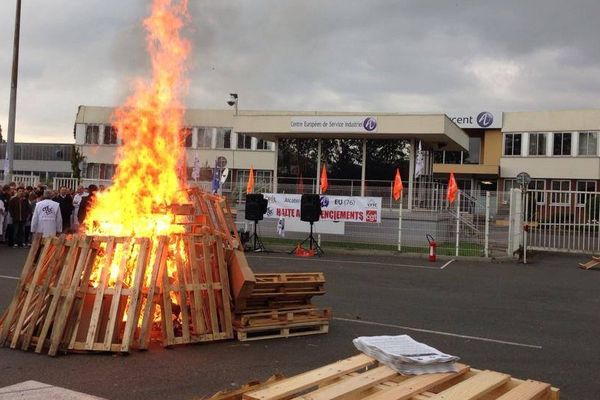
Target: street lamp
{"x":233,"y":102}
{"x":10,"y":137}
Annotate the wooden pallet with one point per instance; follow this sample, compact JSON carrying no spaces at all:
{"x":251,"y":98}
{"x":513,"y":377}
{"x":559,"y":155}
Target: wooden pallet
{"x":201,"y":311}
{"x":363,"y":378}
{"x":279,"y":317}
{"x":594,"y":262}
{"x":284,"y":330}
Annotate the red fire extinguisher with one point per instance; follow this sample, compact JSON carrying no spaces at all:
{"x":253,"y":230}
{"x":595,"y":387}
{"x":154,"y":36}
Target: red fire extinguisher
{"x":432,"y":246}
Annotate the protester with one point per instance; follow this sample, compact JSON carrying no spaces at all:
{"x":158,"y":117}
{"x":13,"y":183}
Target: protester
{"x":47,"y":217}
{"x":80,"y":194}
{"x":19,"y":210}
{"x":4,"y":199}
{"x":33,"y":199}
{"x":86,"y":203}
{"x":65,"y":201}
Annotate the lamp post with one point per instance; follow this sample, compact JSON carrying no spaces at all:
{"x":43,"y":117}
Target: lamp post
{"x":233,"y":102}
{"x":10,"y":137}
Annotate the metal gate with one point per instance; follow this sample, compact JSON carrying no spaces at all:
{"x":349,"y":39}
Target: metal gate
{"x":70,"y":183}
{"x":562,"y":220}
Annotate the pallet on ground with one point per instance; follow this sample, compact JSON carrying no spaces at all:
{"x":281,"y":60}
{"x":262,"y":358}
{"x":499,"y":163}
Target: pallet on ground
{"x":363,"y":378}
{"x":282,"y":330}
{"x":278,"y":317}
{"x":594,"y":262}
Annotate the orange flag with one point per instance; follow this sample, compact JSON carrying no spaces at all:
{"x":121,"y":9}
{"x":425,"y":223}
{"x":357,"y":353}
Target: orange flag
{"x":452,"y":188}
{"x":397,"y":185}
{"x":250,"y":186}
{"x":324,"y":183}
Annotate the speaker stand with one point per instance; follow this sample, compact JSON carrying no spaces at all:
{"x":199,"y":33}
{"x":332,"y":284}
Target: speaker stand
{"x":256,"y":241}
{"x":312,"y":243}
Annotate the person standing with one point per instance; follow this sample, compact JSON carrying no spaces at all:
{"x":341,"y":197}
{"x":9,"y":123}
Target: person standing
{"x":19,"y":210}
{"x":86,"y":203}
{"x":80,"y":194}
{"x":47,"y":216}
{"x":65,"y":201}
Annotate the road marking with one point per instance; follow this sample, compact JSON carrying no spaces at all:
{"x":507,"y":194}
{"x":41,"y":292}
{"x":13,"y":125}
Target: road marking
{"x":9,"y":277}
{"x":345,"y":261}
{"x":408,"y":328}
{"x":448,"y":263}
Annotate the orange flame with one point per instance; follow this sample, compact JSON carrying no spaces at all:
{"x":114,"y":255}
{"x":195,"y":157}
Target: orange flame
{"x":150,"y":123}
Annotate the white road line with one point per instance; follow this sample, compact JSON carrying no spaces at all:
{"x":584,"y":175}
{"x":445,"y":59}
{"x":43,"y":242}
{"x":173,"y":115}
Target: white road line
{"x":9,"y":277}
{"x":448,"y":263}
{"x":408,"y":328}
{"x":344,"y":261}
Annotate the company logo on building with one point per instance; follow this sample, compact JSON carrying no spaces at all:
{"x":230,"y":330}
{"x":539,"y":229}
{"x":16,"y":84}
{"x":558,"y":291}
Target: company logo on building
{"x":485,"y":119}
{"x":324,"y":201}
{"x":370,"y":124}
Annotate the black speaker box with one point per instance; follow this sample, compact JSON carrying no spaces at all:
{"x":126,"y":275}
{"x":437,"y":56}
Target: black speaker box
{"x":256,"y":206}
{"x":310,"y":207}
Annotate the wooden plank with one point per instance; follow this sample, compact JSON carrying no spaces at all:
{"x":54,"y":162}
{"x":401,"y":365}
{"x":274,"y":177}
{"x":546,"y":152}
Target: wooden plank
{"x":166,"y":310}
{"x":209,"y":280}
{"x":148,"y":314}
{"x":92,"y":332}
{"x":416,"y":384}
{"x":475,"y":387}
{"x":64,"y":310}
{"x":30,"y":286}
{"x":282,"y":331}
{"x":19,"y":290}
{"x":528,"y":390}
{"x":298,"y":383}
{"x":227,"y":324}
{"x":115,"y":304}
{"x":185,"y":320}
{"x":134,"y":297}
{"x":242,"y":278}
{"x":196,"y":303}
{"x":64,"y":279}
{"x":352,"y":386}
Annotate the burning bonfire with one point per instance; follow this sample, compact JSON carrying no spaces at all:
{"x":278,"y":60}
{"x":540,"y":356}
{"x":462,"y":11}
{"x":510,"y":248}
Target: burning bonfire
{"x":155,"y":258}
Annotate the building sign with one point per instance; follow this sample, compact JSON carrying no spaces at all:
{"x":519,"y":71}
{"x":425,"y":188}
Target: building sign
{"x":343,"y":124}
{"x":479,"y":119}
{"x":333,"y":208}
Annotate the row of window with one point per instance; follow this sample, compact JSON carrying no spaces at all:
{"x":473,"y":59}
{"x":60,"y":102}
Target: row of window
{"x":460,"y":157}
{"x":204,"y":136}
{"x":561,"y":143}
{"x":39,"y":151}
{"x":557,"y":186}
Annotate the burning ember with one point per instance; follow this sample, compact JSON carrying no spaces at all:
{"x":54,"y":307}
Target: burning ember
{"x":150,"y":123}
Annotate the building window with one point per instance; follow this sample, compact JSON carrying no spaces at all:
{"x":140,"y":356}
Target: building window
{"x":588,"y":143}
{"x":244,"y":141}
{"x":92,"y":133}
{"x":537,"y":144}
{"x":561,"y":194}
{"x":223,"y":138}
{"x":453,"y":157}
{"x":474,"y":153}
{"x":538,"y":185}
{"x":586,"y":187}
{"x":508,"y":185}
{"x":262,"y":144}
{"x":204,"y":138}
{"x":100,"y":171}
{"x":110,"y":135}
{"x":187,"y":134}
{"x":512,"y":144}
{"x":562,"y":144}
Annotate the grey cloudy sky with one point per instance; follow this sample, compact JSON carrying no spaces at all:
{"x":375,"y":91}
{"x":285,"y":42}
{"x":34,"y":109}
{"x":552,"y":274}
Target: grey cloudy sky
{"x":346,"y":55}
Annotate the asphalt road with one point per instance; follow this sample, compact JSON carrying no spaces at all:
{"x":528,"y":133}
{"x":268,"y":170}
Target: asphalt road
{"x":538,"y":321}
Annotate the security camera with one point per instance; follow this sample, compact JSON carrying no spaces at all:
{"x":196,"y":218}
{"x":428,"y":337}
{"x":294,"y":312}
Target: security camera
{"x":231,"y":103}
{"x":233,"y":95}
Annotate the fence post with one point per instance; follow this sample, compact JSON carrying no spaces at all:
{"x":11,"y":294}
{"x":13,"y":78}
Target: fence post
{"x":486,"y":248}
{"x":457,"y":222}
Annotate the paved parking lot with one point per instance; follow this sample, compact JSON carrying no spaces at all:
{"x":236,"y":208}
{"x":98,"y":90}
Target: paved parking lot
{"x":539,"y":321}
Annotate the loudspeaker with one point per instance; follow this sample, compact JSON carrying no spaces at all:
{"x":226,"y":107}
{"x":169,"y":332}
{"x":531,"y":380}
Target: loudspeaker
{"x":310,"y":207}
{"x":256,"y":206}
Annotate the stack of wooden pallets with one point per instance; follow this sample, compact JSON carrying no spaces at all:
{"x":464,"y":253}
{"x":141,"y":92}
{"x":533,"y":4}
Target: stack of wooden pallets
{"x":274,"y":305}
{"x":363,"y":378}
{"x":84,"y":293}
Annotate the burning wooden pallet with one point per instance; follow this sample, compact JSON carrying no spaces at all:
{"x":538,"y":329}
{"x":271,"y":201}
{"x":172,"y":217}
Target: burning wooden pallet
{"x":84,"y":293}
{"x":363,"y":378}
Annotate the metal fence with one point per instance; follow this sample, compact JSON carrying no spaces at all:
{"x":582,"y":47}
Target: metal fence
{"x":562,"y":220}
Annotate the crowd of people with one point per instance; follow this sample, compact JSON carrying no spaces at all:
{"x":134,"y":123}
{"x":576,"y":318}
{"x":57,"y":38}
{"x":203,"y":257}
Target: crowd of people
{"x":25,"y":211}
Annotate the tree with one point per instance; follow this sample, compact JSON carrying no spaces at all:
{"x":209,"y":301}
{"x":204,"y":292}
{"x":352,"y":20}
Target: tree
{"x":76,"y":159}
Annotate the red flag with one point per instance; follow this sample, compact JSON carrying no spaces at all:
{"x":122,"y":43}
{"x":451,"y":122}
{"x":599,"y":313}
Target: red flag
{"x":324,"y":183}
{"x":452,"y":188}
{"x":397,"y":185}
{"x":250,"y":185}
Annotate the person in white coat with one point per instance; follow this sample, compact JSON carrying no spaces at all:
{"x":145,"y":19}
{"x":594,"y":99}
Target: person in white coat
{"x":47,"y":219}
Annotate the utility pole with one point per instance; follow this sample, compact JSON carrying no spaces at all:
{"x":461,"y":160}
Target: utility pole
{"x":10,"y":139}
